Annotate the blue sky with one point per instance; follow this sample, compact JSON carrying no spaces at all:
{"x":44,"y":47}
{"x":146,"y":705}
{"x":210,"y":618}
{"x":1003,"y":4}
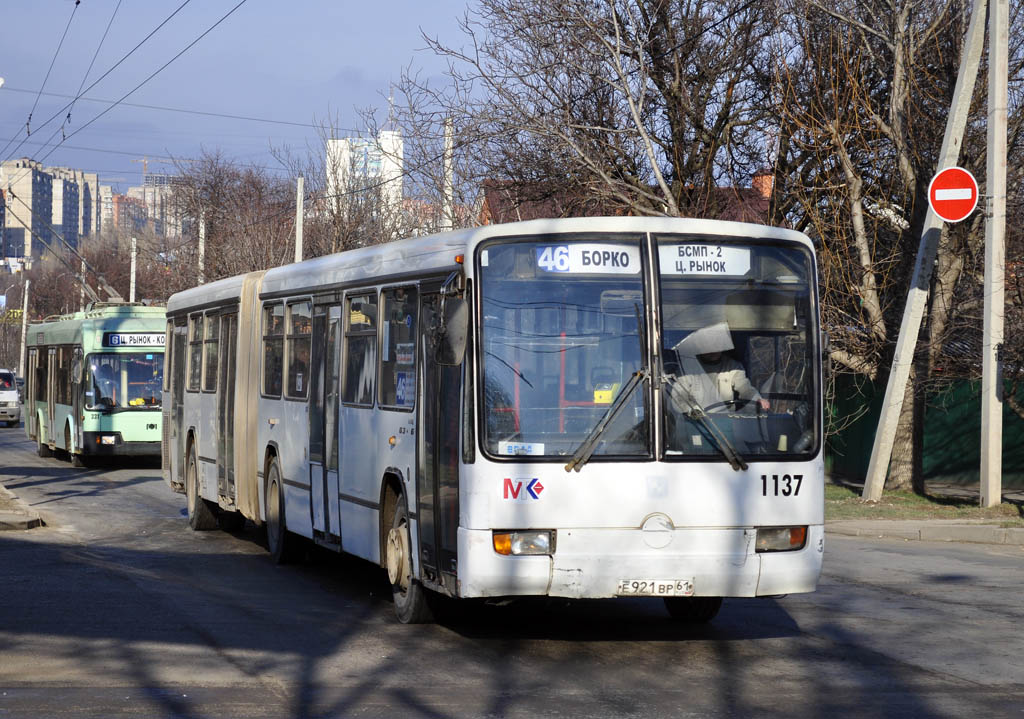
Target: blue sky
{"x":297,"y":62}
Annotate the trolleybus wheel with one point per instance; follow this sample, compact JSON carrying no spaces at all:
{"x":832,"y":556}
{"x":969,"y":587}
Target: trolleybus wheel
{"x":42,"y":449}
{"x":281,"y":543}
{"x":693,"y":610}
{"x":200,"y":516}
{"x":76,"y":459}
{"x":411,"y":601}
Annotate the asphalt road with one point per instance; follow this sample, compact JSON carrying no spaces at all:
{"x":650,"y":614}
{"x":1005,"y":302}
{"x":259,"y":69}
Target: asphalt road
{"x":117,"y":608}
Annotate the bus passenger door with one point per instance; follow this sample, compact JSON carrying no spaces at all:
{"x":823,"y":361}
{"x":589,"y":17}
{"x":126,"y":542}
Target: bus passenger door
{"x":29,"y":409}
{"x":439,"y":415}
{"x":226,"y":407}
{"x":51,"y":392}
{"x":323,"y":423}
{"x":77,"y":389}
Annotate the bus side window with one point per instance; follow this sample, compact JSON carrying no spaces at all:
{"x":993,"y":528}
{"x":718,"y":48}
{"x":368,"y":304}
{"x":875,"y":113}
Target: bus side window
{"x":211,"y":332}
{"x":195,"y":352}
{"x":273,"y":348}
{"x":398,"y":347}
{"x":168,"y":355}
{"x":300,"y":330}
{"x":360,"y":348}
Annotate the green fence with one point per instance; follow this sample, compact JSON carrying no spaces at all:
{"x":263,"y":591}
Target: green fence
{"x":952,"y":435}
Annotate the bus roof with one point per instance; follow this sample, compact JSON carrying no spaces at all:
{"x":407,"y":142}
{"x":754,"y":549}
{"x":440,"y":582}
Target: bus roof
{"x":414,"y":256}
{"x":84,"y":327}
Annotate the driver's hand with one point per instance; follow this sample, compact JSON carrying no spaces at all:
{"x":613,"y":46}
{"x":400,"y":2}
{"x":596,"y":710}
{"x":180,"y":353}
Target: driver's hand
{"x":763,"y":404}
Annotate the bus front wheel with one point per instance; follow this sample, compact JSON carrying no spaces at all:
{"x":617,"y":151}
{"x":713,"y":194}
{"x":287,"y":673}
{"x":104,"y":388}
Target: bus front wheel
{"x":76,"y":459}
{"x":693,"y":610}
{"x":42,"y":448}
{"x":200,"y":516}
{"x":410,"y":596}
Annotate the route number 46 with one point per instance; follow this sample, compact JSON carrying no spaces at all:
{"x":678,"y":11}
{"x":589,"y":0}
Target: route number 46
{"x":553,"y":259}
{"x":785,"y":485}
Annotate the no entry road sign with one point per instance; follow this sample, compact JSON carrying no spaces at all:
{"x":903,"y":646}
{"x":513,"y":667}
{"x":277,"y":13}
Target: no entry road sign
{"x":953,"y":194}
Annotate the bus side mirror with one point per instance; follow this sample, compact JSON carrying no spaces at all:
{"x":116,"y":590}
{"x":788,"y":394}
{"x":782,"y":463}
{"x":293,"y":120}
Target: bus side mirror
{"x":454,"y":330}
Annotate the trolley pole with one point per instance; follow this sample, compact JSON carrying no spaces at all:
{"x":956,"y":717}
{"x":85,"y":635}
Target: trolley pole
{"x":995,"y":238}
{"x":299,"y":211}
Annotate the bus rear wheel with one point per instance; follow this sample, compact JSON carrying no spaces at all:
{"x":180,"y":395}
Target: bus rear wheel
{"x":200,"y":516}
{"x":693,"y":610}
{"x":411,"y":600}
{"x":283,"y":545}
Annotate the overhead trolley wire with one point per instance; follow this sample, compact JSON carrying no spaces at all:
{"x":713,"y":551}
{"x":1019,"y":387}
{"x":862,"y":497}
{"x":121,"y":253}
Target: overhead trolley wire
{"x":28,"y":122}
{"x":110,"y":70}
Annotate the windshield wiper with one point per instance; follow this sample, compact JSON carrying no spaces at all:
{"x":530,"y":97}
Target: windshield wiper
{"x":714,"y":433}
{"x":585,"y":450}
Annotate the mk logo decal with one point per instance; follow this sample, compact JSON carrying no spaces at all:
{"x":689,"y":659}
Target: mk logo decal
{"x":514,"y":489}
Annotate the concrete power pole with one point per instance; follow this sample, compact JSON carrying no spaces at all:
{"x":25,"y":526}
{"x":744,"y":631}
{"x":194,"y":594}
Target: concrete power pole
{"x":202,"y":246}
{"x":448,"y":201}
{"x":131,"y":287}
{"x":22,"y":359}
{"x":995,"y":258}
{"x":917,"y":297}
{"x":299,"y":211}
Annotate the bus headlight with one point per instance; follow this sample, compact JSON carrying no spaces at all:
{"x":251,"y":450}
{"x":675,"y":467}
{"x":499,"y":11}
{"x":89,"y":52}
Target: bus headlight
{"x":524,"y":542}
{"x":780,"y":539}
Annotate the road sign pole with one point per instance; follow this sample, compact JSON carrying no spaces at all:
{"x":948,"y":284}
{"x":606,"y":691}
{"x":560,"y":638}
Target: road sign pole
{"x":995,"y":231}
{"x":892,"y":404}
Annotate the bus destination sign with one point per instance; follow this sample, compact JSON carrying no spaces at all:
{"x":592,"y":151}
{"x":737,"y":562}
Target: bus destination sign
{"x":704,"y":260}
{"x":133,"y":339}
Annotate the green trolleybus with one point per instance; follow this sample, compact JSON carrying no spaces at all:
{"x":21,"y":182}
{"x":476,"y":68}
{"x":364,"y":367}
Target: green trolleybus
{"x":93,"y":382}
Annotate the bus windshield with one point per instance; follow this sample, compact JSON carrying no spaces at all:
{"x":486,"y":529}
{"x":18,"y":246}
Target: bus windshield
{"x":562,"y":333}
{"x":559,"y":339}
{"x":124,"y":380}
{"x":737,"y":344}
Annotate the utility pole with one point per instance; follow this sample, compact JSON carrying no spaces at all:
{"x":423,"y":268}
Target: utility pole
{"x":917,"y":297}
{"x":202,"y":245}
{"x":131,"y":288}
{"x":448,"y":201}
{"x":24,"y":331}
{"x":298,"y":219}
{"x":81,"y":290}
{"x":995,"y":258}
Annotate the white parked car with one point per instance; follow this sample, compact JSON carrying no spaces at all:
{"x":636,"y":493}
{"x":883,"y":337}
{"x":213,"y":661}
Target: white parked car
{"x":10,"y":407}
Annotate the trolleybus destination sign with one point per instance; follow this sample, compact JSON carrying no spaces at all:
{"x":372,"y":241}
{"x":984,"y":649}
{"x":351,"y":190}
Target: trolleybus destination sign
{"x":133,"y":339}
{"x":953,"y":194}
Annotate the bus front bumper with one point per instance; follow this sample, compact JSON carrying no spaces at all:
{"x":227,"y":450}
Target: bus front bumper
{"x":591,"y":563}
{"x":100,"y":444}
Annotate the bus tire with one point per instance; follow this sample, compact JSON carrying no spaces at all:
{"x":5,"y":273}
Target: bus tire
{"x":42,"y":448}
{"x":693,"y":610}
{"x":75,"y":459}
{"x":200,"y":516}
{"x":283,"y":545}
{"x":411,"y":601}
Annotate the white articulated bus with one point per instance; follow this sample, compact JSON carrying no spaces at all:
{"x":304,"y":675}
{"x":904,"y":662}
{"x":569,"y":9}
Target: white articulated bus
{"x":594,"y":407}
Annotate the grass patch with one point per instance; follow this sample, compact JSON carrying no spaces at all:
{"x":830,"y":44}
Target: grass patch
{"x":845,"y":503}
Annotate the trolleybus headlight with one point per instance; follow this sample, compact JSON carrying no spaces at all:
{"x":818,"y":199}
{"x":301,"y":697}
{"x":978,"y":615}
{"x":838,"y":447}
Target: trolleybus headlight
{"x":524,"y":542}
{"x":780,"y":539}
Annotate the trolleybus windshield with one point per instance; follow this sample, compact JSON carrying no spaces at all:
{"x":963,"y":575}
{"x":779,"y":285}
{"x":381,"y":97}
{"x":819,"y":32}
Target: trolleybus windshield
{"x":124,"y":380}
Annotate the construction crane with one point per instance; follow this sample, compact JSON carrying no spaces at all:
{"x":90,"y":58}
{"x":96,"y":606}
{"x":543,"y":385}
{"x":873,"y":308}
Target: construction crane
{"x":145,"y":165}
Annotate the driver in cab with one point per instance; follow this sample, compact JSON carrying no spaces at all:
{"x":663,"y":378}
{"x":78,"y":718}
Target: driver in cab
{"x":711,"y":380}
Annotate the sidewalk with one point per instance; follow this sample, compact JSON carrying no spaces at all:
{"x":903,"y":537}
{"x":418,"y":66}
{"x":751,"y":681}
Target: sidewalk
{"x":15,"y":514}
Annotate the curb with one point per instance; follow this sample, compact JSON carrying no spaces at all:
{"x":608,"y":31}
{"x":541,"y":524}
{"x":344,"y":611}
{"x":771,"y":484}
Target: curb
{"x":22,"y":518}
{"x":931,"y":532}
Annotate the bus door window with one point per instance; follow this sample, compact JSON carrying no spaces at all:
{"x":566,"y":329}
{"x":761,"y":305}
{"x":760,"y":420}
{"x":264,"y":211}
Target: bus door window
{"x":300,"y":329}
{"x":211,"y":332}
{"x":195,"y":351}
{"x":360,"y":348}
{"x":399,"y":308}
{"x":332,"y":382}
{"x":273,"y":349}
